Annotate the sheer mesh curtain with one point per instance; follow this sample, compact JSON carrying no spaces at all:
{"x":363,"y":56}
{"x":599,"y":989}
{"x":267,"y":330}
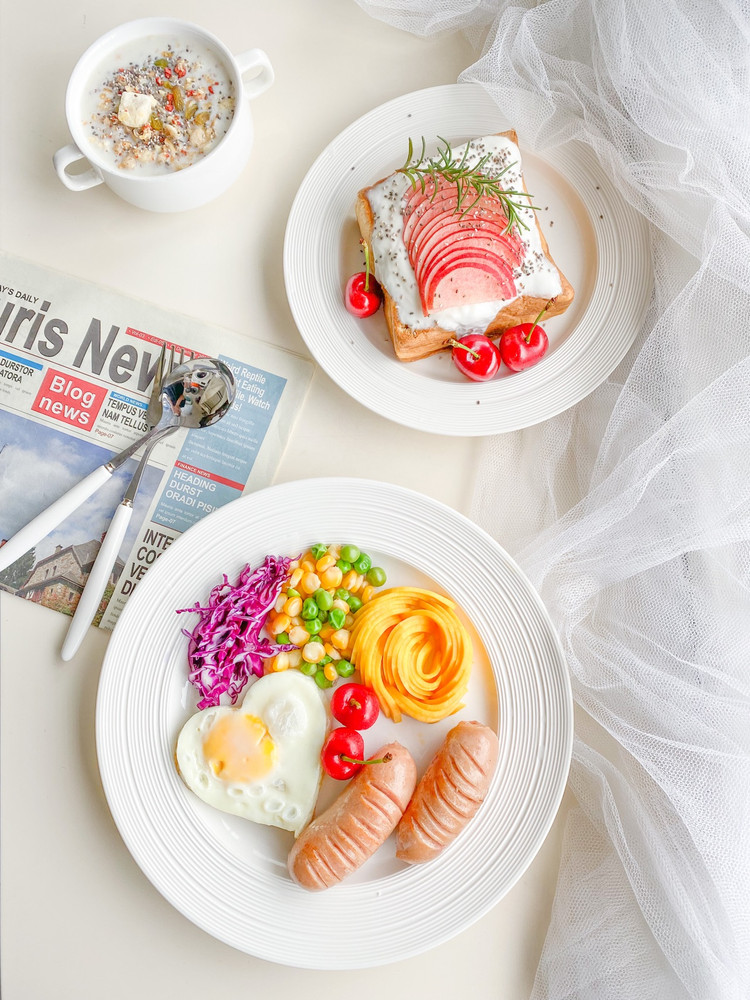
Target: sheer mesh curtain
{"x":631,"y":511}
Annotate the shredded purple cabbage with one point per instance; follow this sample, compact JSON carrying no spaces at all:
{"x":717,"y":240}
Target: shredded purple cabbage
{"x":226,"y":646}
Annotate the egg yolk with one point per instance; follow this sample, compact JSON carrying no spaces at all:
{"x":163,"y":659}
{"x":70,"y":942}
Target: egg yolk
{"x":239,"y":748}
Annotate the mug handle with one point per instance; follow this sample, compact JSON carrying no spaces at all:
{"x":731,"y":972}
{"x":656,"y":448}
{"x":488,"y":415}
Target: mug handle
{"x":75,"y":182}
{"x":255,"y":59}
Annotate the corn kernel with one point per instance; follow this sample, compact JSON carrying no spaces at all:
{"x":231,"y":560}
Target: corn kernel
{"x":349,"y":580}
{"x":280,"y":602}
{"x":331,"y":651}
{"x":331,"y":577}
{"x":313,"y":652}
{"x":279,"y":624}
{"x":309,"y":582}
{"x":299,"y":635}
{"x":325,"y":562}
{"x":341,"y":605}
{"x":293,"y":606}
{"x":280,"y":662}
{"x":349,"y":621}
{"x":340,"y":638}
{"x":308,"y":564}
{"x":367,"y":593}
{"x":330,"y":672}
{"x":295,"y":657}
{"x":296,"y":576}
{"x":326,"y":632}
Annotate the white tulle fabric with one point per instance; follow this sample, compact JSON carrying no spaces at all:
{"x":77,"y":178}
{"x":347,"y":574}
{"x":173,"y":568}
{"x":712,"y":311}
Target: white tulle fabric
{"x":631,"y":511}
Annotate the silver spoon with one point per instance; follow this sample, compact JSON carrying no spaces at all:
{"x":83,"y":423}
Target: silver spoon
{"x":208,"y":412}
{"x":195,"y":394}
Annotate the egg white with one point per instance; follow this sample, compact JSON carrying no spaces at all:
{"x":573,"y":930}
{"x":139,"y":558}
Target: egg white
{"x":290,"y":706}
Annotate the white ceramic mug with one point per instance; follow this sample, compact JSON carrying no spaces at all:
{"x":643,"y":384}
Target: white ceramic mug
{"x":176,"y":190}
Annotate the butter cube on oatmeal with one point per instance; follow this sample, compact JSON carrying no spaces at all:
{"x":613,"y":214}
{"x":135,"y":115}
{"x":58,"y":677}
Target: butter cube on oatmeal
{"x":135,"y":109}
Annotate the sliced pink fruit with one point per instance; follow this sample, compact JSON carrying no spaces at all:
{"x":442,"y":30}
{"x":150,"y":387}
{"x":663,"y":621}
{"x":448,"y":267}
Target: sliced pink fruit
{"x":446,"y":242}
{"x":466,"y":285}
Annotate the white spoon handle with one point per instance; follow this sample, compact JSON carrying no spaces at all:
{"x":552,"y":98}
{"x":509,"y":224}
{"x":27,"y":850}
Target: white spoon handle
{"x":43,"y":523}
{"x":97,"y":581}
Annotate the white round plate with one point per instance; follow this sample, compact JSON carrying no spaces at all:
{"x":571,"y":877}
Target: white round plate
{"x":228,"y":875}
{"x":597,"y":239}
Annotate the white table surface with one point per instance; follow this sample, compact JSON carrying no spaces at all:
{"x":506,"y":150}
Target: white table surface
{"x":79,"y":919}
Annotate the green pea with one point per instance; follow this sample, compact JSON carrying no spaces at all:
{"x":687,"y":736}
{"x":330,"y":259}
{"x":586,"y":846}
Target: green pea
{"x":349,"y":553}
{"x":323,"y":615}
{"x":292,"y":592}
{"x":354,"y":603}
{"x":344,"y":668}
{"x":326,"y":659}
{"x":313,"y":625}
{"x":376,"y":576}
{"x":336,"y":617}
{"x":343,"y":565}
{"x":319,"y":550}
{"x":282,"y":638}
{"x":342,"y":594}
{"x":308,"y":668}
{"x":309,"y":608}
{"x":362,"y":564}
{"x":321,"y":680}
{"x":323,"y":599}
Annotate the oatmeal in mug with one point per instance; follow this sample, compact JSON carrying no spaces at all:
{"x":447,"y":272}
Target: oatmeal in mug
{"x":160,"y":108}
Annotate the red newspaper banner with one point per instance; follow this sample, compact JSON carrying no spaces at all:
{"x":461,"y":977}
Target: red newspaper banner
{"x":69,"y":399}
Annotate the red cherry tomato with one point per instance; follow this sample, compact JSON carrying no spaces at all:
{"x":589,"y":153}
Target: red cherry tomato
{"x":355,"y":705}
{"x":476,"y":357}
{"x":522,"y":346}
{"x":343,"y":753}
{"x":363,"y":295}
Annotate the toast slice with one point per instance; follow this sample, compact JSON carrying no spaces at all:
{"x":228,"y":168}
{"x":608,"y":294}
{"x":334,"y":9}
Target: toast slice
{"x":424,"y":335}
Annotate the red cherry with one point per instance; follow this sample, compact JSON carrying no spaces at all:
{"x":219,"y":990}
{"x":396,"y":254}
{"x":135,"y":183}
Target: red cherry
{"x":523,"y":345}
{"x":343,"y":753}
{"x":355,"y":705}
{"x":362,"y":296}
{"x":476,"y":357}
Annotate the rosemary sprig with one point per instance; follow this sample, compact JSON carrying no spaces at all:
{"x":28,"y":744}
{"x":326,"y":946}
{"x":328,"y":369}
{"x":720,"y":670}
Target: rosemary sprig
{"x":467,"y":179}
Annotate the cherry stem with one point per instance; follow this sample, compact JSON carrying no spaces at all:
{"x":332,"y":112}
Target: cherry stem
{"x":353,"y":703}
{"x":469,"y":350}
{"x":534,"y":324}
{"x":379,"y":760}
{"x":363,"y":242}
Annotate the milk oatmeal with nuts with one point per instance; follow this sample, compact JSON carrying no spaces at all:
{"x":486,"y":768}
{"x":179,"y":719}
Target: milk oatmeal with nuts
{"x":162,"y":108}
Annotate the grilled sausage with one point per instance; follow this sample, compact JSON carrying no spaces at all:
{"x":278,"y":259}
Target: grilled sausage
{"x":449,"y":793}
{"x":343,"y":837}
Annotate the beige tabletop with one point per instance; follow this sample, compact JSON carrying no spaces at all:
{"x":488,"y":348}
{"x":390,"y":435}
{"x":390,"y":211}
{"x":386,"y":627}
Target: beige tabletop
{"x":79,"y":919}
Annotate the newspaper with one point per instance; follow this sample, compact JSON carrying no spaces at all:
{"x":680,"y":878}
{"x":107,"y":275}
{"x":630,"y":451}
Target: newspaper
{"x":77,"y":362}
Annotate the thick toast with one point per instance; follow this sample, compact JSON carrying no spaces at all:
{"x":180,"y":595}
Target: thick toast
{"x":411,"y":344}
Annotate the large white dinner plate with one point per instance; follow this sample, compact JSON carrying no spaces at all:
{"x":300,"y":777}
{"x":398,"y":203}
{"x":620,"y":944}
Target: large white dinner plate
{"x":228,"y":875}
{"x":597,"y":239}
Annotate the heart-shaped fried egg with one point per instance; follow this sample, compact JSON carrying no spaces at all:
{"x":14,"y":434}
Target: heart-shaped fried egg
{"x":260,"y":760}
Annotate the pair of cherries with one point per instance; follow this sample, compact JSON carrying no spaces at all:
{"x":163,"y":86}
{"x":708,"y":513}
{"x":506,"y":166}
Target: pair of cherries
{"x":479,"y":358}
{"x":355,"y":707}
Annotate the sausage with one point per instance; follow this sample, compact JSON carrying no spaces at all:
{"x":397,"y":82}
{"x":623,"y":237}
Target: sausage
{"x":343,"y":837}
{"x":449,"y":792}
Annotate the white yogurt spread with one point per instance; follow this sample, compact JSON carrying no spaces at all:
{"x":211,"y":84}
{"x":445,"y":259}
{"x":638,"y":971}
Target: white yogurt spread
{"x":536,"y":276}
